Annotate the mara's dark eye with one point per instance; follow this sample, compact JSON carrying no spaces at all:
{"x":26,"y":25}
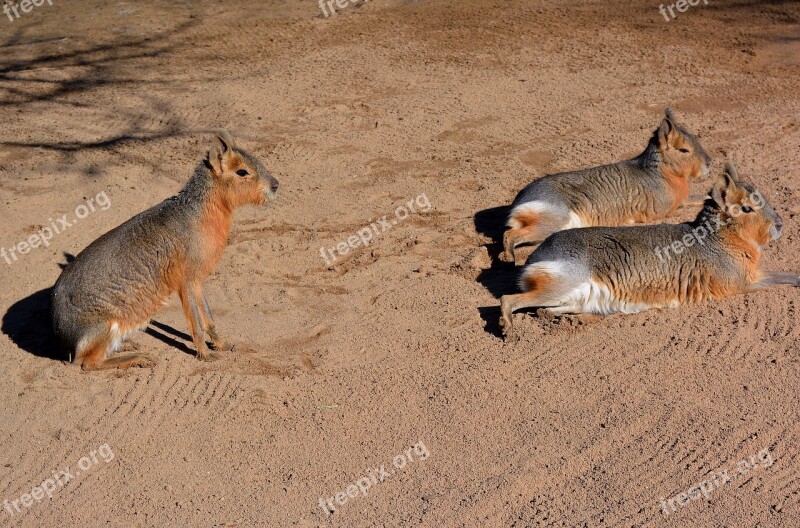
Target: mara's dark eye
{"x":685,"y":151}
{"x":242,"y":172}
{"x":747,"y":209}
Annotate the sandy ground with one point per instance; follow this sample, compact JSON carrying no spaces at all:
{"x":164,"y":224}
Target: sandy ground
{"x":454,"y":103}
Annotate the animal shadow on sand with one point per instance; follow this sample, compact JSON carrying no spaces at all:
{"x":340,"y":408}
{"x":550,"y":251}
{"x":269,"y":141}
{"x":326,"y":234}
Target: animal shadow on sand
{"x":500,"y":278}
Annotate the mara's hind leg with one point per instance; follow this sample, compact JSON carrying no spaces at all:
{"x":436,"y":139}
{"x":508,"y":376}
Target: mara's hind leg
{"x":545,"y":289}
{"x":515,"y":237}
{"x":527,"y":226}
{"x":96,"y":354}
{"x":510,"y":304}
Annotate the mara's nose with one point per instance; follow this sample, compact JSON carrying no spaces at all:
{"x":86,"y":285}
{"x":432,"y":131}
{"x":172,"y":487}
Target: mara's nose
{"x":273,"y":185}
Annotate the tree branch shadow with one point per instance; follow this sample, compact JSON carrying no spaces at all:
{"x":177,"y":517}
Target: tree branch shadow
{"x":39,"y":75}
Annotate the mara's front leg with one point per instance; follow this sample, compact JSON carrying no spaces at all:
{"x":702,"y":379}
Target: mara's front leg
{"x":207,"y":320}
{"x":193,"y":316}
{"x":776,"y":278}
{"x":694,"y":200}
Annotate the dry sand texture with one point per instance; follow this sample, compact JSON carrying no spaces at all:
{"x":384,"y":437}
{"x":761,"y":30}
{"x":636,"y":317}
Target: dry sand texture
{"x":577,"y":424}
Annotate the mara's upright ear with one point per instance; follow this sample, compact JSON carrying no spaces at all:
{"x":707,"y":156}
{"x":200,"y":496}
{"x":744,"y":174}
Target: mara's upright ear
{"x":669,"y":115}
{"x":725,"y":186}
{"x":730,"y":170}
{"x":666,"y":131}
{"x":220,"y":152}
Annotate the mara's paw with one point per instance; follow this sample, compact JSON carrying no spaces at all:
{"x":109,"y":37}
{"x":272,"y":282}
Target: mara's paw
{"x":506,"y":321}
{"x":508,"y":257}
{"x":507,"y":327}
{"x":223,"y":346}
{"x":143,"y":361}
{"x":217,"y":342}
{"x":208,"y":356}
{"x":241,"y":348}
{"x":509,"y":335}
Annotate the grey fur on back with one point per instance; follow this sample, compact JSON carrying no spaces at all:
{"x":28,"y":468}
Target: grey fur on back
{"x":605,"y":191}
{"x":628,"y":256}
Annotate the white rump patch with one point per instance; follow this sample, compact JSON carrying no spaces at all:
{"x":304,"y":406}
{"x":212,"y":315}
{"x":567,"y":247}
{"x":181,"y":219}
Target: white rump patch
{"x":536,"y":207}
{"x":539,"y":207}
{"x":553,"y":268}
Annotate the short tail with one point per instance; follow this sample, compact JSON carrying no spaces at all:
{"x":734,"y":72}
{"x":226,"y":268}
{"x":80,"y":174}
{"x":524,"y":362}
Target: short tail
{"x":532,"y":222}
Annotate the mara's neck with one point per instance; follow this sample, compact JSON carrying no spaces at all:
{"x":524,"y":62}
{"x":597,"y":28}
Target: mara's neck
{"x":210,"y":202}
{"x":719,"y":229}
{"x":650,"y":160}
